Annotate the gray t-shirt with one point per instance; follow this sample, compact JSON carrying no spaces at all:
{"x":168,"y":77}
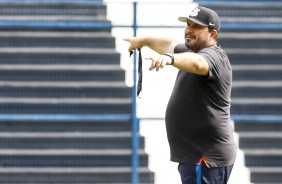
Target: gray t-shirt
{"x":198,"y":113}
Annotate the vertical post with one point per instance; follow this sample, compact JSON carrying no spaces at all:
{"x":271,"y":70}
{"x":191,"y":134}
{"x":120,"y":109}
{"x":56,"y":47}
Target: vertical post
{"x":135,"y":123}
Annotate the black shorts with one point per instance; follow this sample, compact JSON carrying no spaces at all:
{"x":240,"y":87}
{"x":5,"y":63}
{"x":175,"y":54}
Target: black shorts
{"x":201,"y":174}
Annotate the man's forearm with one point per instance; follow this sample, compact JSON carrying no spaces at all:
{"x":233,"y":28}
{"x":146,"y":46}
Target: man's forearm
{"x":160,"y":45}
{"x":191,"y":62}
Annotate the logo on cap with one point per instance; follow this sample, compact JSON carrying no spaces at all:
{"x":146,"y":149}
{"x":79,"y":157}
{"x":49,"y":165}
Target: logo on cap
{"x":195,"y":12}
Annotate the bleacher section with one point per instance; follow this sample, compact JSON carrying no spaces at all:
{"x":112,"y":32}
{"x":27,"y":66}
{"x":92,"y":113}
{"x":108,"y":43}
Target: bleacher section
{"x":251,"y":35}
{"x":65,"y":110}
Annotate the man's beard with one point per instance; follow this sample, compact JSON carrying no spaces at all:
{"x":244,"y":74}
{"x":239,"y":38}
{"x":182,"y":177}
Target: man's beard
{"x":193,"y":47}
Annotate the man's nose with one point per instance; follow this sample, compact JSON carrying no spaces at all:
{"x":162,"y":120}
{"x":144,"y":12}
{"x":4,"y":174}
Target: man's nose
{"x":189,"y":30}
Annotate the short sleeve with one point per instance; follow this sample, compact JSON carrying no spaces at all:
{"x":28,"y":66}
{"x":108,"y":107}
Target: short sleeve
{"x":181,"y":48}
{"x":217,"y":60}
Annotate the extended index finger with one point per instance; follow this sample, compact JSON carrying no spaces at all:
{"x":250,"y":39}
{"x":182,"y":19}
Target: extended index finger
{"x":131,"y":47}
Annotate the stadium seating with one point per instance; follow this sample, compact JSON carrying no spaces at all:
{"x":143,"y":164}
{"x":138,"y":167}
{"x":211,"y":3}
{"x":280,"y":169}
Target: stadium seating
{"x":65,"y":110}
{"x":251,"y":35}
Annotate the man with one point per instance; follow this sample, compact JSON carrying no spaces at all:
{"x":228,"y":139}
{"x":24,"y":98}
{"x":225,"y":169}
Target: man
{"x":197,"y":118}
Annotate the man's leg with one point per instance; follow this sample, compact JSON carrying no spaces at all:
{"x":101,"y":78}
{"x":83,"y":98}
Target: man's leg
{"x":214,"y":175}
{"x":187,"y":173}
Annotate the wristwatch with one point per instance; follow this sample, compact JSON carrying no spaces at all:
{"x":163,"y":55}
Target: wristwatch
{"x":171,"y":57}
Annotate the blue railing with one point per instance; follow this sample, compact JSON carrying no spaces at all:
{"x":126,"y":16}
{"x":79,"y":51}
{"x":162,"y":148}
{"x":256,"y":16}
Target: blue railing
{"x":223,"y":3}
{"x":135,"y":120}
{"x":51,"y":1}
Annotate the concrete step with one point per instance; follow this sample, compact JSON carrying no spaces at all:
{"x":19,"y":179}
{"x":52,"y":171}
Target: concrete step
{"x":261,"y":175}
{"x":240,"y":2}
{"x":260,"y":140}
{"x":38,"y":15}
{"x":67,"y":140}
{"x":65,"y":123}
{"x":55,"y":89}
{"x":257,"y":72}
{"x":245,"y":9}
{"x":72,"y":175}
{"x":65,"y":106}
{"x":256,"y":89}
{"x":257,"y":126}
{"x":62,"y":73}
{"x":52,"y":8}
{"x":55,"y":56}
{"x":69,"y":158}
{"x":263,"y":157}
{"x":251,"y":58}
{"x":256,"y":106}
{"x":52,"y":1}
{"x":246,"y":20}
{"x":56,"y":39}
{"x":62,"y":25}
{"x":249,"y":40}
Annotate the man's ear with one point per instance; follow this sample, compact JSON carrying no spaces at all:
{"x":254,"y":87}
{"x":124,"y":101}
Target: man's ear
{"x":214,"y":34}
